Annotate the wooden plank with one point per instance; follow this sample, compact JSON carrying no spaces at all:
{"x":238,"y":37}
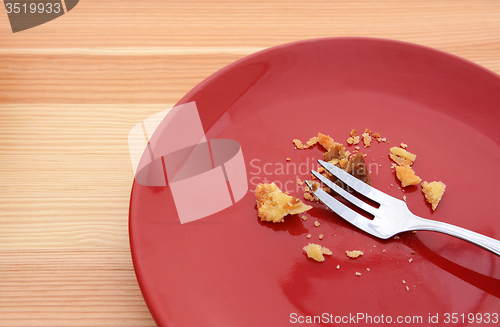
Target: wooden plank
{"x":66,"y":174}
{"x":64,"y":249}
{"x":70,"y":287}
{"x":261,"y":23}
{"x":103,"y":79}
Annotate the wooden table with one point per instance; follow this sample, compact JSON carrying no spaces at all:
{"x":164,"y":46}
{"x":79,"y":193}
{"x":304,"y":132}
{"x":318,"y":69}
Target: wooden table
{"x":71,"y":90}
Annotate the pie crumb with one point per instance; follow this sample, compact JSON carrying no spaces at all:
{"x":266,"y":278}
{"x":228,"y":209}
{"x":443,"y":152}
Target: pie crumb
{"x":299,"y":145}
{"x":407,"y":176}
{"x":354,"y":254}
{"x":367,"y":139}
{"x":325,"y":141}
{"x":401,"y":156}
{"x":433,"y":192}
{"x":273,"y":204}
{"x":308,"y":195}
{"x":354,"y":139}
{"x":316,"y":251}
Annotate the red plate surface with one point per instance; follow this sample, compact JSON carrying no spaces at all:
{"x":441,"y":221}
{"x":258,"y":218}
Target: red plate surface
{"x":230,"y":269}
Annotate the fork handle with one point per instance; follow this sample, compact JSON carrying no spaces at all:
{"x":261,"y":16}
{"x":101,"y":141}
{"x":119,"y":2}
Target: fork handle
{"x":483,"y":241}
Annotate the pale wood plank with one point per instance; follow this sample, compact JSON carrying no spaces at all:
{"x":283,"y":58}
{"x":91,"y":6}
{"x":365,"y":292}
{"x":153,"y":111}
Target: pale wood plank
{"x":70,"y":287}
{"x":66,"y":174}
{"x":64,"y":248}
{"x":104,"y":79}
{"x":263,"y":23}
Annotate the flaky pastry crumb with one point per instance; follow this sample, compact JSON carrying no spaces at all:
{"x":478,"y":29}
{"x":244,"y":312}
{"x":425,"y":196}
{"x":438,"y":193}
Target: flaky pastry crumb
{"x":407,"y":176}
{"x":325,"y":141}
{"x":316,"y":251}
{"x":354,"y":254}
{"x":433,"y":192}
{"x":402,"y":153}
{"x":273,"y":204}
{"x":299,"y":145}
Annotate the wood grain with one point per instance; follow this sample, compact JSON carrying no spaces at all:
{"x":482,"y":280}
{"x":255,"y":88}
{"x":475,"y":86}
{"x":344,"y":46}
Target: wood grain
{"x":64,"y":249}
{"x":96,"y":23}
{"x":70,"y":287}
{"x":28,"y":78}
{"x":71,"y":90}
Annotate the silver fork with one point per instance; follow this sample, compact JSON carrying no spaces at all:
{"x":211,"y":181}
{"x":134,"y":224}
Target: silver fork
{"x":391,"y":217}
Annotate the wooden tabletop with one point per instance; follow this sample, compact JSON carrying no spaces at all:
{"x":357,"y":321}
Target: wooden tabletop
{"x":71,"y":90}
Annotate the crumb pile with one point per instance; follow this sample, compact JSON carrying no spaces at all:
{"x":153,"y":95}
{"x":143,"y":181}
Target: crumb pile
{"x":273,"y":204}
{"x":353,"y":163}
{"x":433,"y":191}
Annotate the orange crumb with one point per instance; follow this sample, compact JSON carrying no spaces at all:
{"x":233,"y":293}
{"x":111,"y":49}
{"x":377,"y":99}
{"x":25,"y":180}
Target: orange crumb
{"x":407,"y":176}
{"x":326,"y":141}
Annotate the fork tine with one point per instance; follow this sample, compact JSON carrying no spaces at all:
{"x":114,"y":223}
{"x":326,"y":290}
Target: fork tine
{"x":358,"y":185}
{"x":343,"y":193}
{"x":344,"y":211}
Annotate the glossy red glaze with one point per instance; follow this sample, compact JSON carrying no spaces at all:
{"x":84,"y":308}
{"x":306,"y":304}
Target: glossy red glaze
{"x":230,"y":269}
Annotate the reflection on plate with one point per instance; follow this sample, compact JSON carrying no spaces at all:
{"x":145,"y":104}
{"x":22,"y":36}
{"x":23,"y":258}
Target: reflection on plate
{"x":230,"y":269}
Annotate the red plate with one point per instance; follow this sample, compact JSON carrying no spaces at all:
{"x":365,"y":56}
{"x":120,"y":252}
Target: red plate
{"x":230,"y":269}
